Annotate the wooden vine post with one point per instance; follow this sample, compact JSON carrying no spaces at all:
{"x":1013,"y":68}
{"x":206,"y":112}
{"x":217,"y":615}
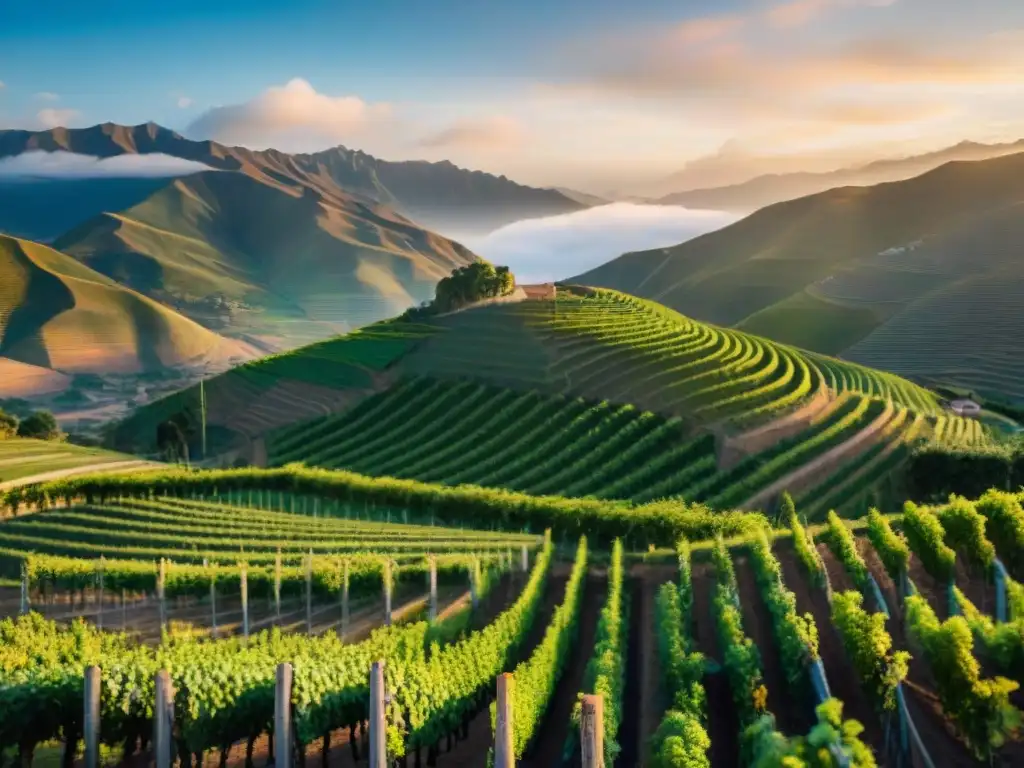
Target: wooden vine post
{"x":91,"y":717}
{"x":525,"y":559}
{"x":213,"y":596}
{"x":344,"y":598}
{"x":433,"y":589}
{"x":244,"y":579}
{"x":163,"y":721}
{"x":474,"y":582}
{"x":161,"y":581}
{"x":283,"y":717}
{"x":277,"y":584}
{"x":592,"y":731}
{"x":309,"y":593}
{"x":504,"y":746}
{"x":99,"y":614}
{"x":387,"y":592}
{"x":24,"y":589}
{"x":378,"y":727}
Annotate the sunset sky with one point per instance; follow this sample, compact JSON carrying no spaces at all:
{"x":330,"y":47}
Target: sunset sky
{"x":597,"y":94}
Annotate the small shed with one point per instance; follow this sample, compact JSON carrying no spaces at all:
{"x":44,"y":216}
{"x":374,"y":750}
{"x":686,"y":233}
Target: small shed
{"x":964,"y":407}
{"x":545,"y":291}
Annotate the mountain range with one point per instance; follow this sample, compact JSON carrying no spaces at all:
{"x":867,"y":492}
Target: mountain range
{"x":262,"y":251}
{"x":921,"y":277}
{"x":760,"y":191}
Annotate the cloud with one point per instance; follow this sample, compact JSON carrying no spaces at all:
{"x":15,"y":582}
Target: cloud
{"x":708,"y":28}
{"x":56,"y":118}
{"x":485,"y":133}
{"x":46,"y":96}
{"x":558,"y":247}
{"x":184,"y":102}
{"x":40,"y":164}
{"x":2,"y":85}
{"x":289,"y":115}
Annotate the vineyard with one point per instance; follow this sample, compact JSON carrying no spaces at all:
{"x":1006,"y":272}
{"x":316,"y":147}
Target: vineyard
{"x":893,"y":639}
{"x":602,"y":395}
{"x":22,"y":458}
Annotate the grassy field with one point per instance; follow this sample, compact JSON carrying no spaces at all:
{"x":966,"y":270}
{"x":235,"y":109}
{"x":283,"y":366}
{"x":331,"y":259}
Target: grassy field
{"x":22,"y":458}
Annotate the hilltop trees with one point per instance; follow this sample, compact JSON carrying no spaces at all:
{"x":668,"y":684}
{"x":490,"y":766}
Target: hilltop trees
{"x":8,"y":425}
{"x":41,"y":425}
{"x":476,"y":281}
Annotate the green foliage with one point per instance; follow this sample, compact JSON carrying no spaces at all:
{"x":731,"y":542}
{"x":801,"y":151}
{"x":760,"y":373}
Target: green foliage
{"x":869,"y":648}
{"x":537,"y":677}
{"x":803,"y":544}
{"x":473,"y":282}
{"x":656,"y":523}
{"x":818,"y":749}
{"x":891,"y":547}
{"x":606,"y":670}
{"x":681,"y":740}
{"x":741,"y":659}
{"x":8,"y":425}
{"x":979,"y":708}
{"x":41,"y":425}
{"x":843,"y":545}
{"x":1005,"y":525}
{"x":927,"y":540}
{"x":1001,"y":644}
{"x":935,"y":470}
{"x":964,"y":527}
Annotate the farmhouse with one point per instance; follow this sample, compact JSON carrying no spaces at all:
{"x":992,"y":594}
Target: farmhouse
{"x":964,"y":407}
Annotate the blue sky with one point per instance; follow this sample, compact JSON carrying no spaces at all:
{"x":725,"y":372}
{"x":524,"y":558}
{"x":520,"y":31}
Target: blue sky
{"x":593,"y":93}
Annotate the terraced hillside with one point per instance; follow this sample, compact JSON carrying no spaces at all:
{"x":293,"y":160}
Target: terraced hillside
{"x":593,"y":393}
{"x":58,"y":314}
{"x":918,"y":277}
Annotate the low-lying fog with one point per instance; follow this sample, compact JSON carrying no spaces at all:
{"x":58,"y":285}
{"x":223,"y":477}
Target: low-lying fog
{"x":558,"y":247}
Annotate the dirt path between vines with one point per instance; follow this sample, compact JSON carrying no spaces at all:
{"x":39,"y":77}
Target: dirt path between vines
{"x":644,"y":697}
{"x":471,"y":752}
{"x":794,"y":714}
{"x":548,"y":748}
{"x":842,"y":678}
{"x":723,"y":723}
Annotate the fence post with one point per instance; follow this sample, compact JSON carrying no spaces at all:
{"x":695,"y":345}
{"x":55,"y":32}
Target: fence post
{"x":387,"y":593}
{"x":592,"y":731}
{"x":277,"y":585}
{"x":161,"y":581}
{"x":309,"y":593}
{"x":244,"y":578}
{"x":283,"y":717}
{"x":24,"y":589}
{"x":344,"y":600}
{"x":504,"y":747}
{"x":163,"y":721}
{"x":213,"y":600}
{"x":91,"y":717}
{"x":474,"y":583}
{"x":378,"y":732}
{"x":525,"y":559}
{"x":99,"y":615}
{"x":433,"y":589}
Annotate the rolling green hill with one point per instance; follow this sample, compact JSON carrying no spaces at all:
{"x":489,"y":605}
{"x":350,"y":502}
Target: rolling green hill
{"x":910,"y":276}
{"x":595,"y":393}
{"x":58,"y":314}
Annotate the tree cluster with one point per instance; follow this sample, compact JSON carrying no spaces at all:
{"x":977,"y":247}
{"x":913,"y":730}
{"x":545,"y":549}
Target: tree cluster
{"x":41,"y":425}
{"x":466,"y":285}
